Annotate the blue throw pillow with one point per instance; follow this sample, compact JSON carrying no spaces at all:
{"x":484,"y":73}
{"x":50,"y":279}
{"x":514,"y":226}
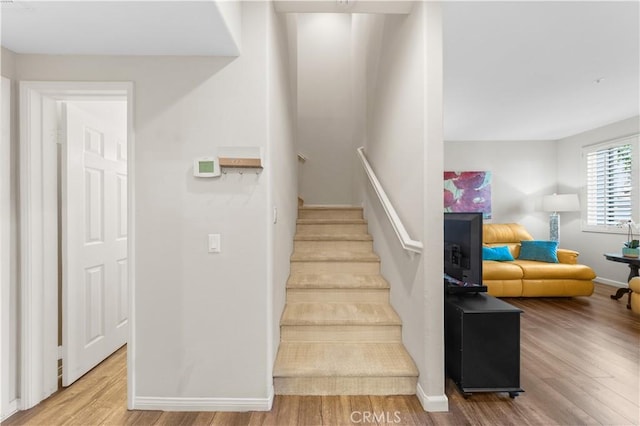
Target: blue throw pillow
{"x":542,"y":251}
{"x":500,"y":254}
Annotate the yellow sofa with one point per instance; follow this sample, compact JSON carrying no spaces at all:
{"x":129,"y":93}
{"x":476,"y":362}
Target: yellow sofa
{"x":634,"y":286}
{"x":529,"y":278}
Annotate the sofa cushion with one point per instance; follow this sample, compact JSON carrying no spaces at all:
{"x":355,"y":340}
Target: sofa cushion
{"x":500,"y":253}
{"x":634,"y":297}
{"x":514,"y":248}
{"x":492,"y":270}
{"x":554,"y":271}
{"x":568,"y":256}
{"x":504,"y":288}
{"x":500,"y":233}
{"x":557,"y":288}
{"x":542,"y":251}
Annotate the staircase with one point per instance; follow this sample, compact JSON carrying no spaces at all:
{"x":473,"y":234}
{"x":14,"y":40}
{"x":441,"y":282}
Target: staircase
{"x":338,"y":333}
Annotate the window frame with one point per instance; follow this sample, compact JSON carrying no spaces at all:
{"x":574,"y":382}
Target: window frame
{"x":634,"y":141}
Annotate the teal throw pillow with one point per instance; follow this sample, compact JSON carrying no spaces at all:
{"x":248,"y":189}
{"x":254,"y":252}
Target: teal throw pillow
{"x":500,"y":254}
{"x":542,"y":251}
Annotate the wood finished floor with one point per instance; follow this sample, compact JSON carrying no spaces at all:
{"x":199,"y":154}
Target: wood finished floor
{"x":579,"y":362}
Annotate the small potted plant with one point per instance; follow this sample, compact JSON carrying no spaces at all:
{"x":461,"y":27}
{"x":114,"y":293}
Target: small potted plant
{"x":632,"y":246}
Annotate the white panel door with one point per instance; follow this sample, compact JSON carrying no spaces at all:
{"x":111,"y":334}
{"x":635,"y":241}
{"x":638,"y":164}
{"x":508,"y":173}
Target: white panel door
{"x":94,"y":241}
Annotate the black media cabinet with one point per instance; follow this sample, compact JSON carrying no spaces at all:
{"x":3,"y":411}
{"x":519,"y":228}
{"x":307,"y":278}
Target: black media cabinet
{"x":482,"y":344}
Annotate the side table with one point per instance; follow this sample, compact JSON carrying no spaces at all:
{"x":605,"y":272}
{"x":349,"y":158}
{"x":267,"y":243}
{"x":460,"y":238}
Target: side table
{"x":634,"y":267}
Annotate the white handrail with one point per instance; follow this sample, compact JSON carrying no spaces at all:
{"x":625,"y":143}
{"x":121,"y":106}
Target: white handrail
{"x":406,"y":241}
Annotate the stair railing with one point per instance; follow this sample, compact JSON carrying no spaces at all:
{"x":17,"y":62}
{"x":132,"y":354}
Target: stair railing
{"x":407,"y":243}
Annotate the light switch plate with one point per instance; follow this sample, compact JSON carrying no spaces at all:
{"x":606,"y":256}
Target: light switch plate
{"x":214,"y":243}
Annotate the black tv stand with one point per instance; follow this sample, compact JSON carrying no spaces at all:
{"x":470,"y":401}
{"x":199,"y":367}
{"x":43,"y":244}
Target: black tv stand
{"x":482,"y":344}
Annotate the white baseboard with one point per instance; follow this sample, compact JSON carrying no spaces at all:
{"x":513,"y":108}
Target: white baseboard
{"x":437,"y":403}
{"x":612,"y":283}
{"x":203,"y":404}
{"x":12,"y":408}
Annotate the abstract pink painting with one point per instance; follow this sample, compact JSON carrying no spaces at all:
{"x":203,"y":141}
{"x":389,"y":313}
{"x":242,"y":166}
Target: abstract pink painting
{"x":468,"y":192}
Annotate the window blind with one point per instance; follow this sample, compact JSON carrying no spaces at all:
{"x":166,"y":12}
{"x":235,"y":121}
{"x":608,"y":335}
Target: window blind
{"x":609,"y":185}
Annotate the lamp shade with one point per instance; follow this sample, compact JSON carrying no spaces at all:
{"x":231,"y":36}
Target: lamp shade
{"x":560,"y":203}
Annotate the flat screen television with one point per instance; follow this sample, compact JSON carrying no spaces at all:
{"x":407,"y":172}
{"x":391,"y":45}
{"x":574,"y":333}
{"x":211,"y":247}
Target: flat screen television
{"x":463,"y":248}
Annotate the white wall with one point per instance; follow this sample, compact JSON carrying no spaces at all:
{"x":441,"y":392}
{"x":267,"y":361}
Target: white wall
{"x":202,"y":319}
{"x":8,"y":63}
{"x":324,"y":102}
{"x":434,"y":397}
{"x":395,"y":148}
{"x":9,"y":280}
{"x":366,"y":30}
{"x":283,"y":160}
{"x":397,"y":142}
{"x":522,"y":172}
{"x":7,"y":326}
{"x":570,"y":180}
{"x":231,"y":12}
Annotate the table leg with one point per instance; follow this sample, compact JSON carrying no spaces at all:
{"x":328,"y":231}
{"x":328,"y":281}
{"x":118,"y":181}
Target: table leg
{"x":621,"y":292}
{"x":633,"y":272}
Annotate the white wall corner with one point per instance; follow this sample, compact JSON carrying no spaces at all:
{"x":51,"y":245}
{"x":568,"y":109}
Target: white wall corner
{"x":11,"y":409}
{"x":203,"y":404}
{"x":432,"y":403}
{"x":231,"y":13}
{"x":6,"y":329}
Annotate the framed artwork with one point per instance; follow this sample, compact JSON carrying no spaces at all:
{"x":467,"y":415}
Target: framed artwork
{"x":468,"y":192}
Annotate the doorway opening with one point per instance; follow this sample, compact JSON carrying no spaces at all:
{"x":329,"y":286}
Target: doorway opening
{"x":76,"y":187}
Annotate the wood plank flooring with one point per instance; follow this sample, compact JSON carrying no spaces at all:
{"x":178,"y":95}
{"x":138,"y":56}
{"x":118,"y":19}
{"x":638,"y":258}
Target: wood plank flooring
{"x":579,"y":362}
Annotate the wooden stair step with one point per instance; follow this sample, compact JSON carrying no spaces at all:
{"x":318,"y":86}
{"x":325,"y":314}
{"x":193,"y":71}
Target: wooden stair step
{"x":308,"y":212}
{"x":331,"y":228}
{"x":331,"y":222}
{"x":341,"y":333}
{"x":337,"y":295}
{"x":334,"y":256}
{"x":344,"y":368}
{"x":338,"y":245}
{"x":335,"y":266}
{"x":337,"y":281}
{"x":333,"y":237}
{"x":345,"y":385}
{"x":318,"y":359}
{"x":339,"y":314}
{"x":333,"y":288}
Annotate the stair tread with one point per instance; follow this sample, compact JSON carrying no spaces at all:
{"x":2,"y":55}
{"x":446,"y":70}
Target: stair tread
{"x":331,"y":222}
{"x":340,"y":313}
{"x":335,"y":280}
{"x":334,"y":256}
{"x":310,"y":207}
{"x":333,"y":237}
{"x":347,"y":359}
{"x":340,"y":335}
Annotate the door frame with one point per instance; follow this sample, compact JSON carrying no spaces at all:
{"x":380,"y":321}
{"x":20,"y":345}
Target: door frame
{"x":7,"y":407}
{"x":39,"y":230}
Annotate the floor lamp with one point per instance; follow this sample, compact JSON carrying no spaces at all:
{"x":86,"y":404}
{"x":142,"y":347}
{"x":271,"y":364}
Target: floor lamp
{"x":555,"y":204}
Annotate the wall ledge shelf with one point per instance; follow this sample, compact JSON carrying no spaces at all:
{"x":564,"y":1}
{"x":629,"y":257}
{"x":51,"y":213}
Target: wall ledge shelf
{"x":240,"y":163}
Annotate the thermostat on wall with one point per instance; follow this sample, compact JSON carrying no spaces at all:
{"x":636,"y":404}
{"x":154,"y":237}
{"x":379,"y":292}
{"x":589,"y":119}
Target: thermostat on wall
{"x":206,"y":167}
